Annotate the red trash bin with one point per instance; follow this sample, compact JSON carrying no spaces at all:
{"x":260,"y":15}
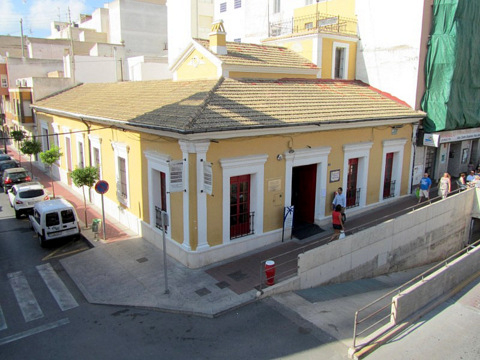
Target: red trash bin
{"x":270,"y":272}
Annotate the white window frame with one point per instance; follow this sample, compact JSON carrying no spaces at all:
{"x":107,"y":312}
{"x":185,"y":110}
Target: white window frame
{"x":121,"y":150}
{"x":80,"y":143}
{"x":337,"y":45}
{"x":301,"y":157}
{"x":96,"y":143}
{"x":158,"y":163}
{"x":4,"y":81}
{"x":248,"y":165}
{"x":395,"y":146}
{"x":362,"y":152}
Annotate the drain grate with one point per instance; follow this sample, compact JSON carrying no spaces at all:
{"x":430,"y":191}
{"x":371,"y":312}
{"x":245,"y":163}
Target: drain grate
{"x":238,"y":275}
{"x":202,"y":292}
{"x":142,"y":260}
{"x":222,"y":284}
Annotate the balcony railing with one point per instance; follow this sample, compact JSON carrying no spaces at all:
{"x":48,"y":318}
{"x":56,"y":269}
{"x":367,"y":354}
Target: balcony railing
{"x":158,"y":219}
{"x":322,"y":23}
{"x":242,"y":225}
{"x":389,"y":189}
{"x":353,"y":197}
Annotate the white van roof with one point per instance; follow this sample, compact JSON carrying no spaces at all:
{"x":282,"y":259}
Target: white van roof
{"x":52,"y":205}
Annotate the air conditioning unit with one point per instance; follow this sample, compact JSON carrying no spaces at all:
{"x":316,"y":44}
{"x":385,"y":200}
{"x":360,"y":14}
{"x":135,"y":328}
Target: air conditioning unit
{"x":24,"y":83}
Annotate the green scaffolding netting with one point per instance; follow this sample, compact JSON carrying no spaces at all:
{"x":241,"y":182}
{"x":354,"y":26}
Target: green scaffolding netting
{"x":452,"y":67}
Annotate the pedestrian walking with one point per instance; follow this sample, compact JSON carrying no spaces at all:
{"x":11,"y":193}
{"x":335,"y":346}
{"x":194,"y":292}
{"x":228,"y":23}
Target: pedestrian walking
{"x":444,"y":185}
{"x":425,"y":185}
{"x":341,"y":200}
{"x":337,"y":222}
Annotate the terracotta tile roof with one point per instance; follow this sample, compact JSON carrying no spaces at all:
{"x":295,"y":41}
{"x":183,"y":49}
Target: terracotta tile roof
{"x":228,"y":104}
{"x":261,"y":55}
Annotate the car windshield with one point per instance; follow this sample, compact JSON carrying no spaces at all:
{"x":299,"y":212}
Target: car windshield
{"x":28,"y":194}
{"x":4,"y":157}
{"x":19,"y":175}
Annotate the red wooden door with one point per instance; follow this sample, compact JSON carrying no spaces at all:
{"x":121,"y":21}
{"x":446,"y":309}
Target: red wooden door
{"x":239,"y":206}
{"x":352,"y":182}
{"x":387,"y":183}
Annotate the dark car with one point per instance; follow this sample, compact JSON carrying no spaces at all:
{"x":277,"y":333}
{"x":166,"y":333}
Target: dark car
{"x":14,"y":176}
{"x":4,"y":157}
{"x":7,"y":164}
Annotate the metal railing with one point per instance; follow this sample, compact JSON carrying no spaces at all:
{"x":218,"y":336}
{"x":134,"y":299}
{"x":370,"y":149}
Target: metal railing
{"x":242,"y":225}
{"x":378,"y":320}
{"x":286,"y":263}
{"x":390,"y":185}
{"x":353,"y":197}
{"x":314,"y":23}
{"x":158,"y":219}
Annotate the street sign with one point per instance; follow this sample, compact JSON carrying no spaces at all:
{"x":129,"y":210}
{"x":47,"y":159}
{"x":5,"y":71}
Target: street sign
{"x":101,"y":187}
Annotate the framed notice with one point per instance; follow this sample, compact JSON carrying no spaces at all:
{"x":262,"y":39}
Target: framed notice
{"x":335,"y":175}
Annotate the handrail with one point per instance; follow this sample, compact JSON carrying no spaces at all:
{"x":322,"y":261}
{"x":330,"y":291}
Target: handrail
{"x":398,"y":291}
{"x":324,"y":239}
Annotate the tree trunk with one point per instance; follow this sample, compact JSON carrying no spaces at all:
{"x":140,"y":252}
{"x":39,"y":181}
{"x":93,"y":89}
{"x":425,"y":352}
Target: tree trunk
{"x":85,"y":207}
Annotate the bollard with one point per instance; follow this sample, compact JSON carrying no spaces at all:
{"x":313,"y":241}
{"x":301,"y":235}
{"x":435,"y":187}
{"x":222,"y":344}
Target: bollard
{"x":270,"y":272}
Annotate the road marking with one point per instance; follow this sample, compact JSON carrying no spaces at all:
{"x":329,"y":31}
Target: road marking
{"x":58,"y":253}
{"x":3,"y":323}
{"x":34,"y":331}
{"x":25,"y":298}
{"x":56,"y":286}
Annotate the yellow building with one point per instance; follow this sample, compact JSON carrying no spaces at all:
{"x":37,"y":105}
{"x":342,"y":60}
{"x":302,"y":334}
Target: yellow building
{"x":224,"y":157}
{"x":325,"y":33}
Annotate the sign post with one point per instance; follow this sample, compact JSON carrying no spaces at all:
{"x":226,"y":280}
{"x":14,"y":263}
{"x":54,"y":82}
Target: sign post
{"x":101,"y":187}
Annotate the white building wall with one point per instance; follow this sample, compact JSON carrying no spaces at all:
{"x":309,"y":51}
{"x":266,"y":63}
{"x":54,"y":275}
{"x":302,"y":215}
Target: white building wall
{"x":23,"y":68}
{"x":187,"y":19}
{"x":388,"y":53}
{"x":90,"y":69}
{"x":142,"y":68}
{"x":250,"y":22}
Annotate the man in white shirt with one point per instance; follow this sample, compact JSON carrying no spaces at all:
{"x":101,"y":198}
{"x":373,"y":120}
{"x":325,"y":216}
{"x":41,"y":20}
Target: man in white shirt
{"x":341,"y":200}
{"x":471,"y":176}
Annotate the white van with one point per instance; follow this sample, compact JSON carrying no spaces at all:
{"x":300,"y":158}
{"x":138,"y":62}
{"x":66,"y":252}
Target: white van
{"x":54,"y":219}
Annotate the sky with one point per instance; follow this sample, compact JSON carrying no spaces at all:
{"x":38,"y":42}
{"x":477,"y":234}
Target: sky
{"x":38,"y":14}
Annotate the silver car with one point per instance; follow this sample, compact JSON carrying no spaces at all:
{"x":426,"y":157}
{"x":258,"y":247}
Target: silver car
{"x":24,"y":196}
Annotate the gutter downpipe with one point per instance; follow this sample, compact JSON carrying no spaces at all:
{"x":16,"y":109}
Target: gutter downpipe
{"x":89,"y":153}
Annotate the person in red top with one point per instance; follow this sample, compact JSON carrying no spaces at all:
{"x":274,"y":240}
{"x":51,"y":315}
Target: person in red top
{"x":337,"y":222}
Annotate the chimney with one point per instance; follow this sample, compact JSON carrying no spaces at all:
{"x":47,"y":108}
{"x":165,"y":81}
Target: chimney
{"x":217,"y":36}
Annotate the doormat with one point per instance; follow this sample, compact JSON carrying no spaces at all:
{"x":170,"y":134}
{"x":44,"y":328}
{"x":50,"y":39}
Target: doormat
{"x":304,"y":231}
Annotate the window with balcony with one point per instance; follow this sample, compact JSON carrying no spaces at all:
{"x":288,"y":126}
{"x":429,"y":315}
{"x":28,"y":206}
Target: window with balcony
{"x":121,"y":163}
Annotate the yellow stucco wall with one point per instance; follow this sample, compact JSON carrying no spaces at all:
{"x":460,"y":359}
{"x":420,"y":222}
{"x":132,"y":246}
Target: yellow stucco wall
{"x":275,"y":170}
{"x":139,"y":143}
{"x":197,"y":67}
{"x":327,"y":57}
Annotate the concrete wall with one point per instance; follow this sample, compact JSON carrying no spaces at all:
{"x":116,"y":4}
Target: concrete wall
{"x":423,"y":236}
{"x":438,"y":284}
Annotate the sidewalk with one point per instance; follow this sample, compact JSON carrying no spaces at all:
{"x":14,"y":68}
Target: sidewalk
{"x":131,"y":273}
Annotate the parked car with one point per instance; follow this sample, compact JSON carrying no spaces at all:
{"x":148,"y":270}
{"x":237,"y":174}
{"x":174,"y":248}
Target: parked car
{"x":7,"y":164}
{"x":14,"y":176}
{"x":4,"y":157}
{"x":54,"y":219}
{"x":24,"y":196}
